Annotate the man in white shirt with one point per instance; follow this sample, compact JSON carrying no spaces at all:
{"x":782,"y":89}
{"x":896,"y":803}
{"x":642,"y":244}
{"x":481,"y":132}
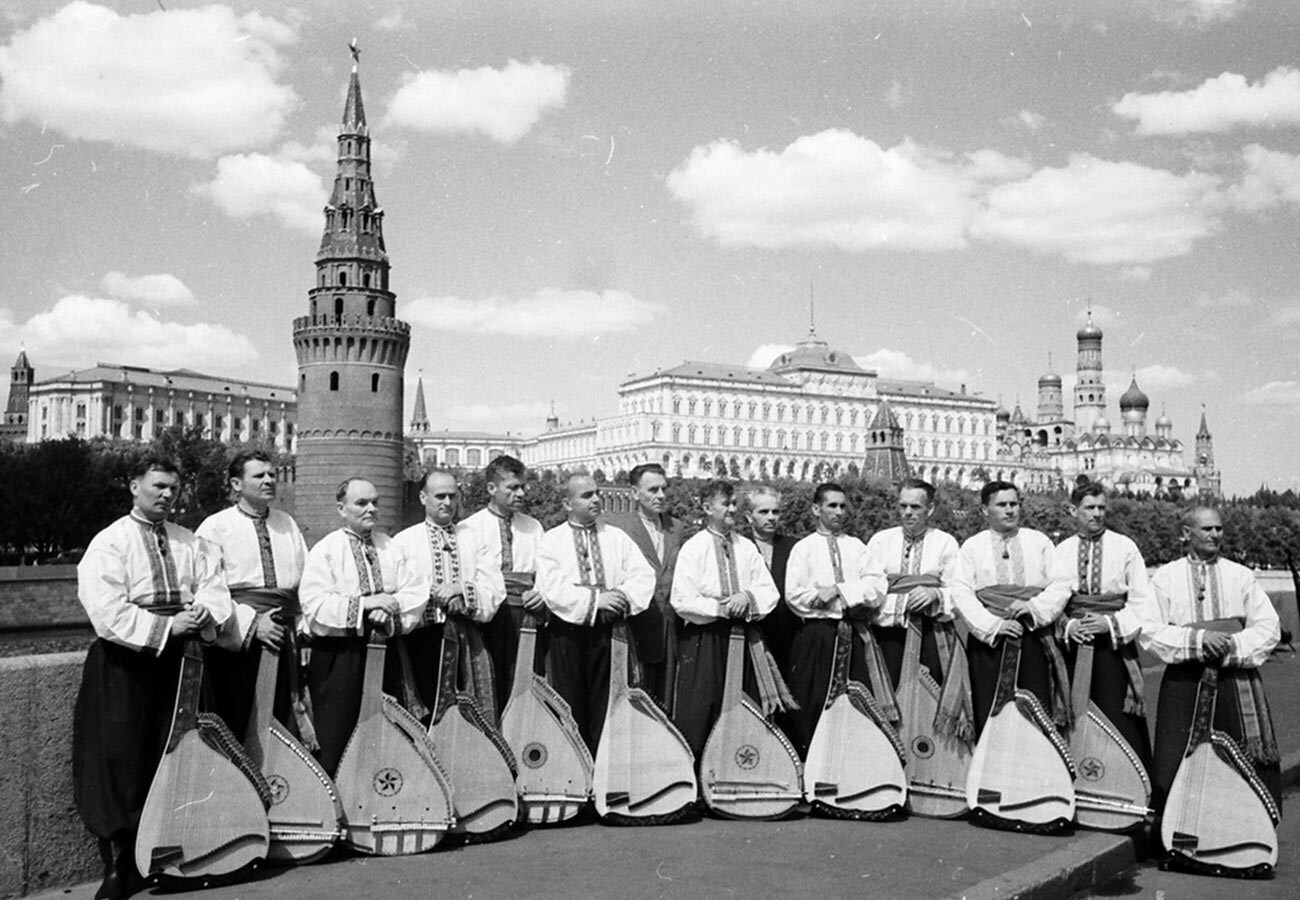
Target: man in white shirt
{"x":465,"y":588}
{"x":763,"y":513}
{"x":356,"y":580}
{"x":1196,"y":596}
{"x":591,"y":575}
{"x":147,"y":586}
{"x":262,"y":555}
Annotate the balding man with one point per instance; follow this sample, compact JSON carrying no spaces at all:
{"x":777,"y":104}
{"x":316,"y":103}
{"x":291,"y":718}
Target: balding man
{"x":592,"y":575}
{"x":763,"y":513}
{"x":356,"y":580}
{"x":1211,"y":612}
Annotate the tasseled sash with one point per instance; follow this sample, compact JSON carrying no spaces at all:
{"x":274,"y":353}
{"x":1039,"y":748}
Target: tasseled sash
{"x":997,"y":598}
{"x":1107,"y":604}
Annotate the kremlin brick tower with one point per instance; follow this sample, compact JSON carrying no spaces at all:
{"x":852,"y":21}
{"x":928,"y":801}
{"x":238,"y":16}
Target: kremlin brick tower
{"x":351,"y":348}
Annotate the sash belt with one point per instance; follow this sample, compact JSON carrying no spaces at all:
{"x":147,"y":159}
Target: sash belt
{"x":997,"y":598}
{"x":773,"y":694}
{"x":1107,"y":604}
{"x":475,"y":667}
{"x":517,"y":583}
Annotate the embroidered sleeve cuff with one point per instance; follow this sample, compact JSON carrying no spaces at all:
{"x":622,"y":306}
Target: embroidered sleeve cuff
{"x":353,"y":618}
{"x":250,"y":632}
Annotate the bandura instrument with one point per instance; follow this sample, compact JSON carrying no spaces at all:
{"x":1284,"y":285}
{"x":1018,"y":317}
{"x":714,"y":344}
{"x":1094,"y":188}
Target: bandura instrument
{"x":472,"y":751}
{"x":1219,"y":818}
{"x":644,"y":770}
{"x":305,"y":814}
{"x":1021,"y":774}
{"x":749,"y":769}
{"x":555,"y":766}
{"x":1112,"y":789}
{"x":854,"y":768}
{"x":937,"y":765}
{"x":396,"y":797}
{"x":205,"y":814}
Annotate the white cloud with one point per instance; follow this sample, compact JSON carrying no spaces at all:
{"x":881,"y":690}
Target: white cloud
{"x":500,"y":103}
{"x":834,"y":189}
{"x":1136,"y":274}
{"x":1197,"y":12}
{"x":897,"y":364}
{"x":1031,"y":120}
{"x":1218,"y":104}
{"x":79,"y":331}
{"x":1098,"y":211}
{"x":763,"y":355}
{"x":253,"y":184}
{"x":549,"y":313}
{"x":896,"y":95}
{"x":195,"y":82}
{"x":1273,"y":393}
{"x":1270,"y":178}
{"x":1286,"y":317}
{"x":153,"y":290}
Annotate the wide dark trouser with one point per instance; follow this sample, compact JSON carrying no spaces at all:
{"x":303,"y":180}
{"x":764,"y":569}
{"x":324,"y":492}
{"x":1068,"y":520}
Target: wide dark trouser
{"x":812,"y":657}
{"x":577,"y":665}
{"x":501,"y":636}
{"x":1109,"y":688}
{"x":986,"y":665}
{"x":701,"y":676}
{"x":119,"y":731}
{"x":1174,"y":714}
{"x":893,"y":641}
{"x":232,"y":677}
{"x":779,"y":628}
{"x":335,"y":677}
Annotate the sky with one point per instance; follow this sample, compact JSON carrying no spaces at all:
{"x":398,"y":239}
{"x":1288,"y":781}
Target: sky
{"x":575,"y":192}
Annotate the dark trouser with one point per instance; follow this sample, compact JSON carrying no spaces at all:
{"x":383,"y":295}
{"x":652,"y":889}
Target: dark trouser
{"x":501,"y":636}
{"x":701,"y":677}
{"x":232,"y":677}
{"x":119,"y":731}
{"x":779,"y":629}
{"x":336,"y":677}
{"x":424,"y":650}
{"x":1174,"y":713}
{"x":578,"y":667}
{"x":1109,"y":688}
{"x":812,"y":658}
{"x":893,"y":641}
{"x":986,"y":666}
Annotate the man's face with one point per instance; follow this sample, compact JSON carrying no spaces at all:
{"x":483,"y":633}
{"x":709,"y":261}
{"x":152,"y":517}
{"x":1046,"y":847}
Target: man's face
{"x":441,"y":498}
{"x":831,"y":511}
{"x":721,"y":513}
{"x":914,"y":510}
{"x":652,"y":494}
{"x":764,"y":515}
{"x":257,"y":485}
{"x":1090,"y":516}
{"x":582,"y":500}
{"x":1002,"y":512}
{"x":360,"y":507}
{"x":507,"y":494}
{"x":154,"y":492}
{"x":1205,"y":535}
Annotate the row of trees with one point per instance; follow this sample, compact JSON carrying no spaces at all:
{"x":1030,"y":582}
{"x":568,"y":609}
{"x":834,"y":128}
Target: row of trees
{"x":58,"y":494}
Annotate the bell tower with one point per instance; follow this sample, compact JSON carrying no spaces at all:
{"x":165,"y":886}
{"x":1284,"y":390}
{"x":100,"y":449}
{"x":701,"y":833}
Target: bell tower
{"x":351,"y":347}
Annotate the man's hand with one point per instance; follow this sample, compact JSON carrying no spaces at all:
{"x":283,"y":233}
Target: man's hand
{"x":736,"y":606}
{"x":1009,"y":628}
{"x":268,"y":631}
{"x":825,"y":596}
{"x":1088,"y":627}
{"x":611,"y":605}
{"x":381,"y":611}
{"x":924,"y":600}
{"x":1215,"y":644}
{"x":447,"y":592}
{"x":191,"y":621}
{"x":1018,"y":608}
{"x":457,"y":606}
{"x":533,"y":601}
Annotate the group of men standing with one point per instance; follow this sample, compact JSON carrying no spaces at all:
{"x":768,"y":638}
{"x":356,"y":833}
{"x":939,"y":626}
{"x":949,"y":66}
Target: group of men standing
{"x":247,"y":584}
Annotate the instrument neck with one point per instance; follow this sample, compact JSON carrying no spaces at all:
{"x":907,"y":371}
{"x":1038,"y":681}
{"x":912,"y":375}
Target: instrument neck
{"x":1081,"y":686}
{"x":447,"y":668}
{"x":185,"y":717}
{"x":1203,"y":718}
{"x":912,"y":652}
{"x":735,"y":683}
{"x":1006,"y":690}
{"x":525,"y":656}
{"x":618,"y":659}
{"x":840,"y":669}
{"x":268,"y":670}
{"x":372,"y":687}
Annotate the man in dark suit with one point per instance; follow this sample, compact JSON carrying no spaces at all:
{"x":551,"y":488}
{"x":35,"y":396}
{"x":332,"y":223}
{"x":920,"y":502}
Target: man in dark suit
{"x":659,"y":537}
{"x":763,"y":510}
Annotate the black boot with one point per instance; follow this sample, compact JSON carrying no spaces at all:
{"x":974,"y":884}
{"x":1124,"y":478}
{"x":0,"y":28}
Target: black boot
{"x":124,"y":862}
{"x":113,"y":887}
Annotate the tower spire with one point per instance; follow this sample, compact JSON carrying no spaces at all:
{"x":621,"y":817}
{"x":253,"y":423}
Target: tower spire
{"x":419,"y":417}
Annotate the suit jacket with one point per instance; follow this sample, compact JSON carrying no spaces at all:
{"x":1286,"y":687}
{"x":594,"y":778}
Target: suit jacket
{"x":781,"y":623}
{"x":650,"y":628}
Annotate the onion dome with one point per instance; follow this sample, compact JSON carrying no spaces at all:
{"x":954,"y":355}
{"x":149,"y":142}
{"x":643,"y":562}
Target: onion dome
{"x":1089,"y":331}
{"x":1164,"y":421}
{"x":1101,"y":425}
{"x":1049,"y":379}
{"x":1134,"y":398}
{"x":1003,"y":414}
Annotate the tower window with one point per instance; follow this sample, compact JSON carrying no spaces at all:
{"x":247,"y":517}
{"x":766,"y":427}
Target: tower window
{"x":334,"y":381}
{"x":365,"y":279}
{"x":343,"y":279}
{"x":338,"y":306}
{"x":303,"y":381}
{"x":370,"y":307}
{"x":374,"y":383}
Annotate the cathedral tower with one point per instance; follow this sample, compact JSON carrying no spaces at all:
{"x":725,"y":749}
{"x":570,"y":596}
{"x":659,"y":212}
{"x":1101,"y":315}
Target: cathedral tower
{"x":1089,"y":391}
{"x":351,"y":348}
{"x":1133,"y":406}
{"x":1051,"y":401}
{"x":1207,"y":476}
{"x":21,"y":378}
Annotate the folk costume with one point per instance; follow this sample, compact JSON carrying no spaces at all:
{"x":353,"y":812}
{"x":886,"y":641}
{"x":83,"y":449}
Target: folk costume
{"x":262,"y":558}
{"x":134,"y":577}
{"x":341,"y":569}
{"x":441,"y":555}
{"x":1108,"y":576}
{"x":575,"y":564}
{"x":710,"y":568}
{"x":898,"y":563}
{"x":992,"y":571}
{"x":779,"y":626}
{"x":822,"y":559}
{"x":1189,"y":591}
{"x":510,"y":542}
{"x":655,"y":630}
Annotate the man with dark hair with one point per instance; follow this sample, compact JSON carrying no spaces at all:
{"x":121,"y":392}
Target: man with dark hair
{"x":1211,"y":611}
{"x":826,"y":581}
{"x":719,"y":579}
{"x":147,"y":586}
{"x":262,"y":555}
{"x":507,"y":536}
{"x":591,"y":575}
{"x":356,"y":580}
{"x":763,"y":511}
{"x":1005,"y":585}
{"x":1110,"y":602}
{"x":465,"y":590}
{"x":659,"y":537}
